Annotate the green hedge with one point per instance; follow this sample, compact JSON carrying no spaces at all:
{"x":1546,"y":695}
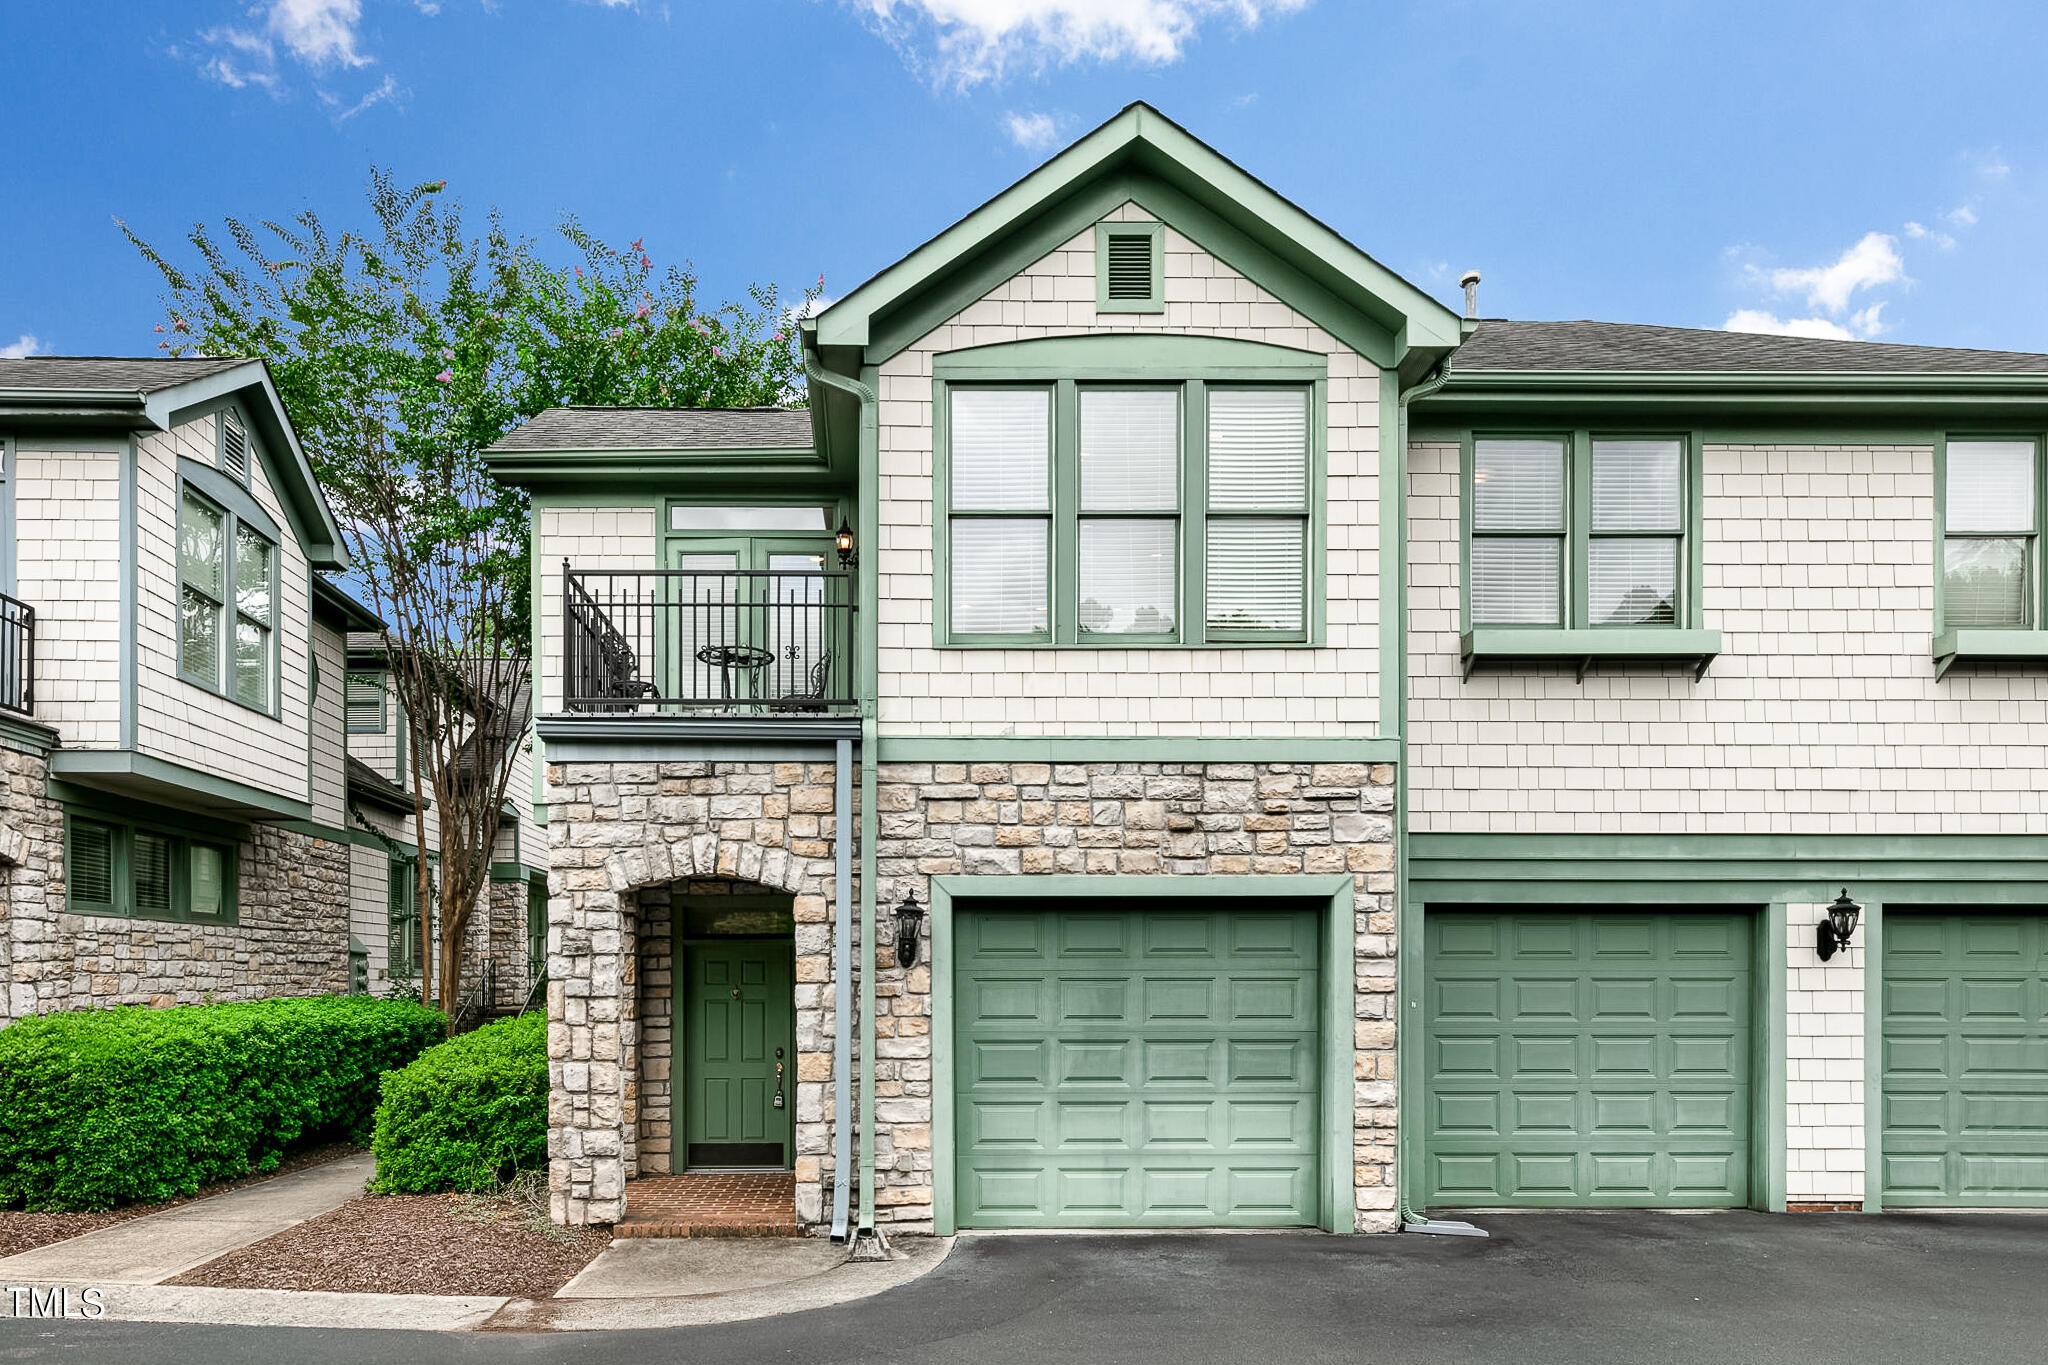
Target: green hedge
{"x":468,"y":1113}
{"x":103,"y":1107}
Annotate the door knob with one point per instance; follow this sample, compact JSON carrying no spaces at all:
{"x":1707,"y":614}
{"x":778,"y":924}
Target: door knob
{"x":778,"y":1080}
{"x":735,"y":992}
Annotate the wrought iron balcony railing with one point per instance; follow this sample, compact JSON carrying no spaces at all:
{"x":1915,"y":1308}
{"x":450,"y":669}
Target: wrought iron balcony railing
{"x":737,"y":642}
{"x":17,"y":656}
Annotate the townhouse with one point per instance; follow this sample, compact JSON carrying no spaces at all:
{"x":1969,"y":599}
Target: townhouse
{"x":1183,"y":729}
{"x":193,"y":808}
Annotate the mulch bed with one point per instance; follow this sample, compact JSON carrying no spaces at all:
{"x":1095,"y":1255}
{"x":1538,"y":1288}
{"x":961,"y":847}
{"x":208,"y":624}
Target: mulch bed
{"x":414,"y":1244}
{"x":26,"y":1231}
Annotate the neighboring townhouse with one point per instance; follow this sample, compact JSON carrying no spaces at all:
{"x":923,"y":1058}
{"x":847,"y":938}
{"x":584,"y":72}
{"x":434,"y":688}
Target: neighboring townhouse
{"x":1094,"y":766}
{"x":1706,"y":632}
{"x":505,"y":950}
{"x":172,"y":748}
{"x":193,"y":807}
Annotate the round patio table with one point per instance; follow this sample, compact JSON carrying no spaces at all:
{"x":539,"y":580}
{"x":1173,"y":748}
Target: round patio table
{"x":732,"y":660}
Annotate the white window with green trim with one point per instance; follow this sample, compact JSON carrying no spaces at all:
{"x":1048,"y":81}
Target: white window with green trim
{"x":114,"y":867}
{"x":402,"y":900}
{"x":1142,"y":512}
{"x":1579,"y":530}
{"x":227,"y":603}
{"x":1991,"y":497}
{"x":366,"y":696}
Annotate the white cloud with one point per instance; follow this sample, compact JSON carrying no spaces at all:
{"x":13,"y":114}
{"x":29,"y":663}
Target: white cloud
{"x":1873,"y":261}
{"x":22,"y":349}
{"x":387,"y":90}
{"x":1963,"y":216}
{"x":320,"y":33}
{"x":1757,"y":320}
{"x":971,"y":41}
{"x":1032,"y":131}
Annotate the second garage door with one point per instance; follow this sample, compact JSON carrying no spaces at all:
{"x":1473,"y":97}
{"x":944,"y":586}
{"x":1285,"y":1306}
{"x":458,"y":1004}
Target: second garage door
{"x":1135,"y":1068}
{"x":1595,"y":1057}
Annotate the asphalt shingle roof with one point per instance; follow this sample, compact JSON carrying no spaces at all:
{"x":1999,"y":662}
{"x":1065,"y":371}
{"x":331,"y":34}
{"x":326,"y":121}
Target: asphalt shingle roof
{"x":118,"y":374}
{"x":660,"y":429}
{"x":1503,"y":345}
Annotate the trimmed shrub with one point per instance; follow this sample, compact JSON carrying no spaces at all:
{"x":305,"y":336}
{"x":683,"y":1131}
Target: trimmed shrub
{"x":468,"y":1113}
{"x":104,"y":1107}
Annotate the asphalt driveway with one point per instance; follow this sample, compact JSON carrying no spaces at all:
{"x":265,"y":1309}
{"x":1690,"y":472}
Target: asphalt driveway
{"x":1576,"y":1288}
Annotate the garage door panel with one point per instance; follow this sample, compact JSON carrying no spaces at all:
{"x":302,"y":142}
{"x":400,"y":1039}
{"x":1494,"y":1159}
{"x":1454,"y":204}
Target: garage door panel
{"x":1132,"y":1068}
{"x":1965,"y":1057}
{"x":1620,"y":1073}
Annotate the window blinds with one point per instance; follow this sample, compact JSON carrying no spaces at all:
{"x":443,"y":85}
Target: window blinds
{"x":90,"y":876}
{"x":1988,"y":541}
{"x":1130,"y":450}
{"x":1518,"y":488}
{"x":1637,"y":487}
{"x":1257,"y":550}
{"x":1001,"y":462}
{"x":1000,"y":443}
{"x":999,"y":575}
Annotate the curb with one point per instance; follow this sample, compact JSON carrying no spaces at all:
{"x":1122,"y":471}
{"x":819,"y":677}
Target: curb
{"x":843,"y":1283}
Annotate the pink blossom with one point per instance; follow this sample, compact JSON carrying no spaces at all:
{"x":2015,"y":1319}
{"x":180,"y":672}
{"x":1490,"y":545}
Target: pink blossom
{"x":643,"y":310}
{"x":717,"y":354}
{"x":579,"y":272}
{"x":776,"y":337}
{"x":636,"y":243}
{"x":447,"y":353}
{"x":178,"y":325}
{"x":159,"y":326}
{"x":163,"y":345}
{"x":821,"y":279}
{"x":646,"y":264}
{"x":446,"y":376}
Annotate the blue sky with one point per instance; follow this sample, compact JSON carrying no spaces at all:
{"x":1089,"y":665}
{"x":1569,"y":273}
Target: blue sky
{"x":1876,"y":170}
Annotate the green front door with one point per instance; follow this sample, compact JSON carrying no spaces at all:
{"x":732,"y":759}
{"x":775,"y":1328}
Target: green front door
{"x":739,"y":1052}
{"x":1596,"y":1057}
{"x":1124,"y":1067}
{"x":1965,"y":1060}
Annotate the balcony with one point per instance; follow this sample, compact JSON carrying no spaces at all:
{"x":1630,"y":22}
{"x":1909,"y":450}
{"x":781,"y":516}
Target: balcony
{"x":17,"y":656}
{"x":760,"y":644}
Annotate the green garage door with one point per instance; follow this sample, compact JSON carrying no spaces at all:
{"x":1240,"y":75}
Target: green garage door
{"x":1965,"y":1058}
{"x":1135,"y":1068}
{"x":1595,"y":1057}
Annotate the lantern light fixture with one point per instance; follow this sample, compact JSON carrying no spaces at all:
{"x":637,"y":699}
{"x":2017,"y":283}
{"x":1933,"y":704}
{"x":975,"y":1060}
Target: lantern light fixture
{"x":909,"y":916}
{"x":843,"y":543}
{"x":1837,"y":926}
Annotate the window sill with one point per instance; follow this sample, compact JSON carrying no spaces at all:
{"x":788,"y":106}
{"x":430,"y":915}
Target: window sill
{"x":1485,"y":644}
{"x":1987,"y":645}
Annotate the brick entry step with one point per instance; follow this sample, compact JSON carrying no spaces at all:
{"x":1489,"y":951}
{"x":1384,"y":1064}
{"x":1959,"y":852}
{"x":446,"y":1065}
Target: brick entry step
{"x":711,"y":1204}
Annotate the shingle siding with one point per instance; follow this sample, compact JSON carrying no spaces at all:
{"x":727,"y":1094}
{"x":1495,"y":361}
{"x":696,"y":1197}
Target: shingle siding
{"x":1822,"y":714}
{"x":1329,"y":692}
{"x":68,"y":567}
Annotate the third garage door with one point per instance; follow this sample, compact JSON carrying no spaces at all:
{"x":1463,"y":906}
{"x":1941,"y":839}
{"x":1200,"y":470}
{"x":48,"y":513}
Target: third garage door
{"x":1965,"y":1058}
{"x":1587,"y":1057}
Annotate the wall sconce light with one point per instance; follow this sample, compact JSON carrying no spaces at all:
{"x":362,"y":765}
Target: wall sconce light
{"x":843,"y":543}
{"x":1836,"y":926}
{"x":908,"y":916}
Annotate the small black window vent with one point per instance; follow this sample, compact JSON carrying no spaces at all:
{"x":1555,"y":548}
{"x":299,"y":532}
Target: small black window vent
{"x":234,"y":445}
{"x":1130,"y":266}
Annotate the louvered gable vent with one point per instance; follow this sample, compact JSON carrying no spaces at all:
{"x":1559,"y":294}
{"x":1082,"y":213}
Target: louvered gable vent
{"x":1130,"y":266}
{"x":234,"y":445}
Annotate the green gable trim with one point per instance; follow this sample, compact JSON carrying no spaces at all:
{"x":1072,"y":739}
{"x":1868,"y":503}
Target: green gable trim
{"x":1154,"y":235}
{"x":1143,"y":156}
{"x":125,"y":769}
{"x":571,"y":473}
{"x":1130,"y":749}
{"x":1133,"y":356}
{"x":1727,"y":869}
{"x":106,"y":805}
{"x":276,"y":444}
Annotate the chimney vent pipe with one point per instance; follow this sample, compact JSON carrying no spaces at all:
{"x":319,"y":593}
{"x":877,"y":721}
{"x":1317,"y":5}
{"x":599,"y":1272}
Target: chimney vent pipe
{"x":1470,"y":283}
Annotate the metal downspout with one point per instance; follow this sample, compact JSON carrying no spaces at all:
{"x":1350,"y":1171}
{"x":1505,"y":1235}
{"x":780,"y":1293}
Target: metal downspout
{"x":842,"y":1146}
{"x":842,"y":986}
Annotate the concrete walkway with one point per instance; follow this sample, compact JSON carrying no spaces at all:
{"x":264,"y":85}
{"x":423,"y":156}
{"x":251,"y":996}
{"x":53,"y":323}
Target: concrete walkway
{"x":157,"y":1246}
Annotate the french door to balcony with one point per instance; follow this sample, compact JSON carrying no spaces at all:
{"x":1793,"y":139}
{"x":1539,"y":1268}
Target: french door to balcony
{"x":749,"y":626}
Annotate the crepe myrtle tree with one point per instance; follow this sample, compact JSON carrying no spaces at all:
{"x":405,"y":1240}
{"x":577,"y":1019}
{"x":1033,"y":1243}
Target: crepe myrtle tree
{"x":403,"y":348}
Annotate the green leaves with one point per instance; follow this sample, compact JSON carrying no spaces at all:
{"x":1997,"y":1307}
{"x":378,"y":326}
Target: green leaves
{"x":106,"y":1107}
{"x":468,"y":1113}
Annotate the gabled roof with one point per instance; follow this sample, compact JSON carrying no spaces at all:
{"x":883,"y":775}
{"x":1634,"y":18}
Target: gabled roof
{"x":100,"y":373}
{"x":598,"y":428}
{"x":1532,"y":347}
{"x":1144,"y":156}
{"x":123,"y":393}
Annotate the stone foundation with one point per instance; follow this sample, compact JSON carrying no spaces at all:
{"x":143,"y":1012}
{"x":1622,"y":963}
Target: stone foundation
{"x":1118,"y":821}
{"x":619,"y":835}
{"x":290,"y":938}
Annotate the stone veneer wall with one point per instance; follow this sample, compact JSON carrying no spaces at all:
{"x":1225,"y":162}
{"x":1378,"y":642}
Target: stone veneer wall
{"x":291,"y":937}
{"x":619,"y":835}
{"x":1123,"y":820}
